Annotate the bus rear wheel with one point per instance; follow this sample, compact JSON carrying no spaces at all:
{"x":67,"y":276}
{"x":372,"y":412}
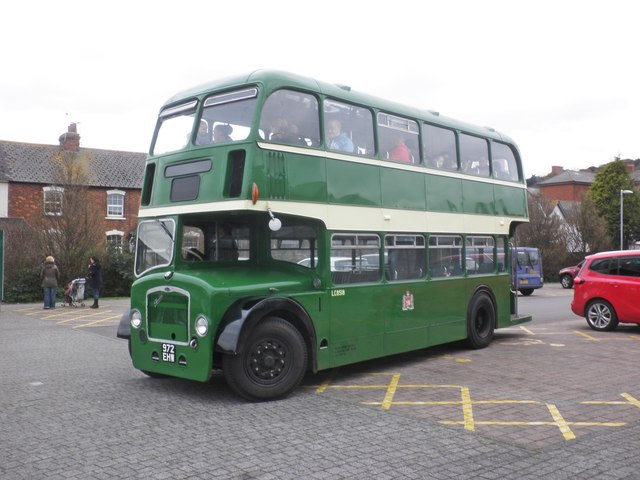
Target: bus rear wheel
{"x":526,"y":291}
{"x":271,"y":363}
{"x":481,"y":320}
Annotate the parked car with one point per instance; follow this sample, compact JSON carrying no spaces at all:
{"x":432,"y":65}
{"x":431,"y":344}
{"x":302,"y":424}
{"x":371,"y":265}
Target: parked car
{"x":607,"y":288}
{"x":567,"y":275}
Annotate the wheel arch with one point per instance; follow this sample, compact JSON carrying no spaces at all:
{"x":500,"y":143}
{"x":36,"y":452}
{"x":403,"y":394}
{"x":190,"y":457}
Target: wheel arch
{"x":244,"y":315}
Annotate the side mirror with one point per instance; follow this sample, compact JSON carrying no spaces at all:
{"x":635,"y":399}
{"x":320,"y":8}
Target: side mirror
{"x":274,"y":224}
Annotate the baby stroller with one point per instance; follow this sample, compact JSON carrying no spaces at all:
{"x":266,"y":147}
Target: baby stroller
{"x":74,"y":294}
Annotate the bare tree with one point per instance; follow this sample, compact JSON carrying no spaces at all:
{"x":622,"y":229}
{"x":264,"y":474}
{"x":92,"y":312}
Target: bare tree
{"x":71,"y":232}
{"x":544,"y":231}
{"x":585,"y":231}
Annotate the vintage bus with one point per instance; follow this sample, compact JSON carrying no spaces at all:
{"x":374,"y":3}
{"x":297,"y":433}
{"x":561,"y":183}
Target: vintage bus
{"x":527,"y":268}
{"x":288,"y":225}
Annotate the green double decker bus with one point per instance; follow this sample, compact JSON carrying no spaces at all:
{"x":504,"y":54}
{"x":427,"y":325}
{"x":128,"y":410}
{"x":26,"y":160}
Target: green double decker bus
{"x":288,"y":225}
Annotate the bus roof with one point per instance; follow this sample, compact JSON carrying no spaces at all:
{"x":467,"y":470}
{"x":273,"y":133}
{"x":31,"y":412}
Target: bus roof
{"x":274,"y":79}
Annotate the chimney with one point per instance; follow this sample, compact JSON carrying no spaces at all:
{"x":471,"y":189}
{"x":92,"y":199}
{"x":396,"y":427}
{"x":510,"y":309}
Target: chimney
{"x":70,"y":141}
{"x":555,"y":170}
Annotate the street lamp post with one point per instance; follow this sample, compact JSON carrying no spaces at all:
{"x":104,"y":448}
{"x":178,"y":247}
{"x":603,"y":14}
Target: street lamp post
{"x":622,"y":193}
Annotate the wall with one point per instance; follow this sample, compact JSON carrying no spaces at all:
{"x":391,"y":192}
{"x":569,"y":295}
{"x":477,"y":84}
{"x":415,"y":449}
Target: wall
{"x":26,"y":201}
{"x":573,"y":192}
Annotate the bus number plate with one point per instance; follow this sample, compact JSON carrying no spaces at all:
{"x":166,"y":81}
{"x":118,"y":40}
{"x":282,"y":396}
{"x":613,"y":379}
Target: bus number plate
{"x":168,"y":352}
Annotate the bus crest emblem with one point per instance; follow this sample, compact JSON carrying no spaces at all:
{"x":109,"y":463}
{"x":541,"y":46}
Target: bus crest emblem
{"x":407,"y":301}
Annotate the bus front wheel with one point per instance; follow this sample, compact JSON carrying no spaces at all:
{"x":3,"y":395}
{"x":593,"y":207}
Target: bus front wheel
{"x":271,"y":363}
{"x":481,"y":320}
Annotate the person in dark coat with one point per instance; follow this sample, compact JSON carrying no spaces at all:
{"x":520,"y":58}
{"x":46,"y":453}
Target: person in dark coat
{"x":95,"y":279}
{"x":50,"y":276}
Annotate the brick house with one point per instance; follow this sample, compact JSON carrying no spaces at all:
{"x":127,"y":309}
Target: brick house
{"x":27,"y":173}
{"x":567,"y":185}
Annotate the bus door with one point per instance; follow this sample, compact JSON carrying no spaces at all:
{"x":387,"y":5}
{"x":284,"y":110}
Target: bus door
{"x":357,"y":325}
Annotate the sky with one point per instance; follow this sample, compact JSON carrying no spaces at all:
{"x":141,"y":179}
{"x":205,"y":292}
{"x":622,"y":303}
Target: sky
{"x":560,"y":77}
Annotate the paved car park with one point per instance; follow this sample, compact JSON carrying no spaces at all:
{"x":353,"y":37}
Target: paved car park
{"x":548,"y":399}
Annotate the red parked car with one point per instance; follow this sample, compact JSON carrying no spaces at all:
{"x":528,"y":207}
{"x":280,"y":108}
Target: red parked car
{"x":607,"y":288}
{"x":568,"y":273}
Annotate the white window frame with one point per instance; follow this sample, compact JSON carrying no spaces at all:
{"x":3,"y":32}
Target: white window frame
{"x":45,"y":193}
{"x":115,"y":233}
{"x":111,"y":207}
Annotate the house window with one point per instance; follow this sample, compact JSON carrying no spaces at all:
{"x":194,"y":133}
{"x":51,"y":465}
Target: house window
{"x":115,"y":204}
{"x":53,"y":200}
{"x":115,"y":239}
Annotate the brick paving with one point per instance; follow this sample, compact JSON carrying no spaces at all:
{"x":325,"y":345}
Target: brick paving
{"x":550,"y":401}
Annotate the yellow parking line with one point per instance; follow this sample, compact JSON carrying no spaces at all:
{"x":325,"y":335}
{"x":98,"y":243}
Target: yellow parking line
{"x":630,"y":401}
{"x":467,"y":411}
{"x":86,"y":316}
{"x":588,"y":337}
{"x":560,"y":422}
{"x":391,"y":391}
{"x":95,"y":322}
{"x":467,"y":404}
{"x":526,"y":330}
{"x":536,"y":424}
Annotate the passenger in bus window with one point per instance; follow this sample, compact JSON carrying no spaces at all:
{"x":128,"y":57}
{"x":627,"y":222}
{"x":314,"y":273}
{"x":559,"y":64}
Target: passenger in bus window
{"x":400,"y":151}
{"x":279,"y":130}
{"x":222,"y":133}
{"x":337,"y":139}
{"x":203,"y":137}
{"x":283,"y":131}
{"x":500,"y":169}
{"x":483,"y":166}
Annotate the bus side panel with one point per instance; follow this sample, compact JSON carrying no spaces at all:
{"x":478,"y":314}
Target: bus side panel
{"x":357,"y":322}
{"x":478,"y":197}
{"x":306,"y":178}
{"x":500,"y":288}
{"x":353,"y":184}
{"x":317,"y":305}
{"x":401,"y":189}
{"x":444,"y":194}
{"x":510,"y":201}
{"x":446,"y":301}
{"x":405,"y":316}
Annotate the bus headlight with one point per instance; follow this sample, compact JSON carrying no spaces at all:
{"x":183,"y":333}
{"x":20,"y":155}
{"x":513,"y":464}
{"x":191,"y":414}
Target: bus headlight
{"x":136,"y":319}
{"x":202,"y":325}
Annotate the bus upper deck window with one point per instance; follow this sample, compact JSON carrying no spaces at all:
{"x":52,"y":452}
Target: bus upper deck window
{"x":174,"y":127}
{"x":398,"y":138}
{"x":291,"y":117}
{"x":504,"y":162}
{"x":226,"y":117}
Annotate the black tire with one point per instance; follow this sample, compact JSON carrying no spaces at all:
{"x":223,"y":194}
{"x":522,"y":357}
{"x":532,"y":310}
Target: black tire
{"x":566,"y":281}
{"x":601,"y":316}
{"x":271,"y":363}
{"x":481,"y":321}
{"x":526,"y":291}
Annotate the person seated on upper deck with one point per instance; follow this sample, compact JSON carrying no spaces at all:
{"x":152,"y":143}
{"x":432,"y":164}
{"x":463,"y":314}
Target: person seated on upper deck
{"x":283,"y":131}
{"x":203,"y":137}
{"x":222,"y":133}
{"x":400,"y":151}
{"x":279,"y":130}
{"x":337,"y":139}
